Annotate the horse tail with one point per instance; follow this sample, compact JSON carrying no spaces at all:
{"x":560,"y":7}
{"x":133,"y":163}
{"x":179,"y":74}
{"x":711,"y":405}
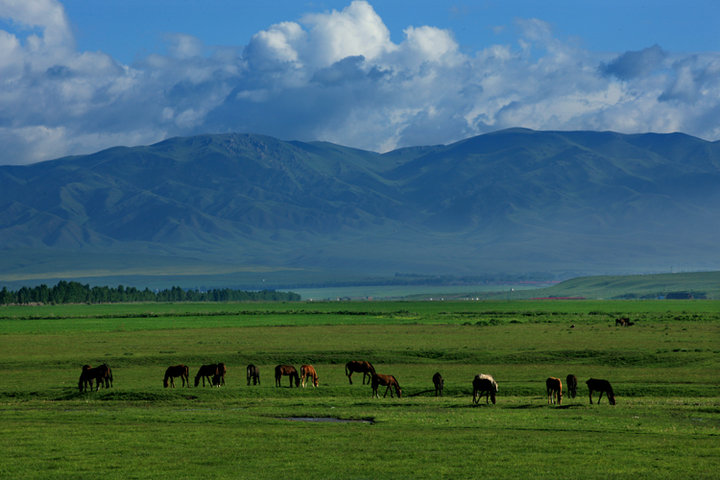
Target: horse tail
{"x":347,"y":372}
{"x":197,"y":378}
{"x":165,"y":380}
{"x":80,"y":382}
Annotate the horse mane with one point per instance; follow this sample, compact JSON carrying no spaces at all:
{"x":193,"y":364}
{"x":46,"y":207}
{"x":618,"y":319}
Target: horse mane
{"x":484,"y":376}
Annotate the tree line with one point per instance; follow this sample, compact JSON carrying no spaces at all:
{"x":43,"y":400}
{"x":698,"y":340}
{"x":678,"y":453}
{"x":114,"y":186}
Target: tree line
{"x":75,"y":292}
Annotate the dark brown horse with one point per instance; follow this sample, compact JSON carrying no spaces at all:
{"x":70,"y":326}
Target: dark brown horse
{"x":359,"y":366}
{"x":553,"y":386}
{"x":253,"y":373}
{"x":219,"y":377}
{"x":102,"y":376}
{"x":602,"y":386}
{"x":209,"y":372}
{"x":439,"y":383}
{"x":385,"y":380}
{"x":623,"y":322}
{"x":308,"y":371}
{"x":174,"y":371}
{"x":571,"y":383}
{"x":484,"y":385}
{"x":288,"y":370}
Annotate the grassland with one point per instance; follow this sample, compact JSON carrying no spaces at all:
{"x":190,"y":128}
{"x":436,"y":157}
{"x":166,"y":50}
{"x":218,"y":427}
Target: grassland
{"x":666,"y":423}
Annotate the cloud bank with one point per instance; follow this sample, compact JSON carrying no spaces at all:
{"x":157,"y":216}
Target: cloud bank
{"x":334,"y":76}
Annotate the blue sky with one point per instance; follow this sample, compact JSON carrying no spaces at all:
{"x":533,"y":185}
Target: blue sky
{"x":77,"y":76}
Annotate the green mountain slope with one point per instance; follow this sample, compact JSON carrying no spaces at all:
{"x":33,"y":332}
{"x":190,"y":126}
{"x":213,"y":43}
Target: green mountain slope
{"x":511,"y":201}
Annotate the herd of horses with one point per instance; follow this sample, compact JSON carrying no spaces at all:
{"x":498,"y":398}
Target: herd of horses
{"x":483,"y":384}
{"x":102,"y":376}
{"x":554,"y":389}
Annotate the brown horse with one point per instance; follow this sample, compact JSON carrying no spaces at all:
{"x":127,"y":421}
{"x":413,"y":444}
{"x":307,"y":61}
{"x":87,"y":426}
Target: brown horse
{"x":173,"y":371}
{"x":385,"y":380}
{"x":359,"y":366}
{"x":439,"y":383}
{"x":554,"y":390}
{"x":602,"y":386}
{"x":571,"y":383}
{"x":288,"y":370}
{"x":484,"y":385}
{"x":209,"y":372}
{"x":253,"y":373}
{"x":308,"y":371}
{"x":102,"y":376}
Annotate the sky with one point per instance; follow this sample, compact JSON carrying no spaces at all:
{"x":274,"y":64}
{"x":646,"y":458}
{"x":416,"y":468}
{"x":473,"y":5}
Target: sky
{"x":78,"y":76}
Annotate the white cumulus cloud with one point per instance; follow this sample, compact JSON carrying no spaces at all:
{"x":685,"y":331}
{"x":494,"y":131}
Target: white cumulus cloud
{"x":335,"y":76}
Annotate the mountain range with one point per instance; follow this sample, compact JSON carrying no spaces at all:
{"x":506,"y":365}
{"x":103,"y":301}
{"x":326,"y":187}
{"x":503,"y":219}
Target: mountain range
{"x":252,"y":207}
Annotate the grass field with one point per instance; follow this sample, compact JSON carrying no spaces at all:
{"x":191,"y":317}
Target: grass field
{"x":664,"y":369}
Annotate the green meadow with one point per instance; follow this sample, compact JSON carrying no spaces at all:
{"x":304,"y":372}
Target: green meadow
{"x":664,"y":370}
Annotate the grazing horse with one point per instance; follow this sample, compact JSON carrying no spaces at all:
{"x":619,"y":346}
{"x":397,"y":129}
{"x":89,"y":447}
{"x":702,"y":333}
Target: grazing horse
{"x":308,"y":371}
{"x":173,"y":371}
{"x":623,"y":322}
{"x":219,"y":377}
{"x":602,"y":386}
{"x":102,"y":376}
{"x":385,"y":380}
{"x":571,"y":383}
{"x":554,"y":390}
{"x":359,"y":366}
{"x":288,"y":370}
{"x":253,"y":373}
{"x":439,"y":383}
{"x":484,"y":384}
{"x":208,"y":372}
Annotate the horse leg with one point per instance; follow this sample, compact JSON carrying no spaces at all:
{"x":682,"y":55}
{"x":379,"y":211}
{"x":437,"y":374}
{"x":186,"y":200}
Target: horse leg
{"x":591,"y":397}
{"x":599,"y":397}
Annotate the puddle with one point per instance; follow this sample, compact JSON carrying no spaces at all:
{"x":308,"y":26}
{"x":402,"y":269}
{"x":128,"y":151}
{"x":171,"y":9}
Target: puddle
{"x":369,"y":421}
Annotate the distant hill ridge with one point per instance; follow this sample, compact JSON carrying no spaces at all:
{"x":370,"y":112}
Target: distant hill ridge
{"x":516,"y":200}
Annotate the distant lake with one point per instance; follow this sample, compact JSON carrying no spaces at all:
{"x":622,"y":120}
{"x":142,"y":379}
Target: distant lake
{"x":388,"y":292}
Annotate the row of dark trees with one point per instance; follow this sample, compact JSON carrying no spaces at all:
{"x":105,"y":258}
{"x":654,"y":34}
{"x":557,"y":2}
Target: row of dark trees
{"x":74,"y":292}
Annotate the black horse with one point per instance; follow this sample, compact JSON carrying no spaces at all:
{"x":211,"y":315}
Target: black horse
{"x":439,"y":383}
